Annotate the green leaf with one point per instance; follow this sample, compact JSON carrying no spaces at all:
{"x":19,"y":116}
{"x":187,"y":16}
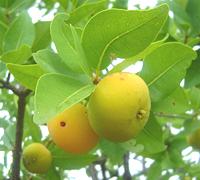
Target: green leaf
{"x":83,"y":92}
{"x":20,"y":5}
{"x":70,"y":161}
{"x":62,"y":90}
{"x":193,"y":9}
{"x":51,"y":62}
{"x":140,"y":56}
{"x":42,"y":35}
{"x":124,"y":37}
{"x":165,"y":67}
{"x":180,"y":16}
{"x":151,"y":137}
{"x":18,"y":56}
{"x":175,"y":103}
{"x":3,"y":29}
{"x":67,"y":42}
{"x":27,"y":75}
{"x":114,"y":151}
{"x":194,"y":98}
{"x":154,"y":172}
{"x":20,"y":32}
{"x":6,"y":3}
{"x":30,"y":128}
{"x":86,"y":10}
{"x":52,"y":173}
{"x":192,"y":77}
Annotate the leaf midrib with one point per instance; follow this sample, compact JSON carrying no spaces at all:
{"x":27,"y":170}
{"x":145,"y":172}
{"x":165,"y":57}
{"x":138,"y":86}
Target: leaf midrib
{"x":165,"y":71}
{"x":122,"y":34}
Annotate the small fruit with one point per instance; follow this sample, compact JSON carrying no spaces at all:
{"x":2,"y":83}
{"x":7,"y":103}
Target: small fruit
{"x":119,"y":107}
{"x":37,"y":158}
{"x":71,"y":130}
{"x":194,"y":139}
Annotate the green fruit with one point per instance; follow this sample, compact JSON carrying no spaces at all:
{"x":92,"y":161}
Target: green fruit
{"x":37,"y":158}
{"x":194,"y":139}
{"x":119,"y":107}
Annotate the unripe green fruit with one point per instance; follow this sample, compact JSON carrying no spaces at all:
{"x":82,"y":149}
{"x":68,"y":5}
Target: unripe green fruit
{"x":37,"y":158}
{"x":119,"y":107}
{"x":194,"y":139}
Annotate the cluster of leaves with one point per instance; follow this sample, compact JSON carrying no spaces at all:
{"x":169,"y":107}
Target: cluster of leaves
{"x":59,"y":60}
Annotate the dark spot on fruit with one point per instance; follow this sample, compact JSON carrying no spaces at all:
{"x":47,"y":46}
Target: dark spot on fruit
{"x":173,"y":103}
{"x":121,"y":78}
{"x":62,"y":124}
{"x":140,"y":114}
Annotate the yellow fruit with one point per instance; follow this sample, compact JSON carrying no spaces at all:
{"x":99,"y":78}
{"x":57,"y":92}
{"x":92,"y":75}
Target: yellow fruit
{"x":119,"y":107}
{"x":37,"y":158}
{"x":72,"y":132}
{"x":194,"y":139}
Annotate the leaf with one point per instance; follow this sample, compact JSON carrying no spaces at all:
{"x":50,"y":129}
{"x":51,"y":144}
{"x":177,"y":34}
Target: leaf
{"x":42,"y":35}
{"x":163,"y":80}
{"x":70,"y":161}
{"x":140,"y":56}
{"x":60,"y":88}
{"x":67,"y":43}
{"x":20,"y":5}
{"x":77,"y":96}
{"x":30,"y":128}
{"x":194,"y":98}
{"x":180,"y":16}
{"x":175,"y":103}
{"x":51,"y":62}
{"x":193,"y":9}
{"x":114,"y":151}
{"x":151,"y":137}
{"x":125,"y":37}
{"x":3,"y":29}
{"x":6,"y":3}
{"x":154,"y":172}
{"x":27,"y":75}
{"x":18,"y":56}
{"x":192,"y":77}
{"x":21,"y":32}
{"x":86,"y":10}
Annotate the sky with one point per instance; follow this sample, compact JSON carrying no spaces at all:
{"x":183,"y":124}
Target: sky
{"x":135,"y":165}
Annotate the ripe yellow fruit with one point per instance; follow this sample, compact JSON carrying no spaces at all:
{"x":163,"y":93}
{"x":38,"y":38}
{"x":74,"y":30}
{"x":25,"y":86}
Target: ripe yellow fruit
{"x":194,"y":139}
{"x":119,"y":107}
{"x":72,"y":132}
{"x":37,"y":158}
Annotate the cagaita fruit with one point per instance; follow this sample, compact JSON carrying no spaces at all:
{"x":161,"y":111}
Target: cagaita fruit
{"x":119,"y":107}
{"x":37,"y":158}
{"x":72,"y":132}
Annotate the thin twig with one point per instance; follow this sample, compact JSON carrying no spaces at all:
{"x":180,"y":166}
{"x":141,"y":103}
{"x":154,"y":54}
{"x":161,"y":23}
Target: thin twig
{"x":127,"y":174}
{"x":7,"y":85}
{"x":103,"y":169}
{"x":176,"y":116}
{"x":93,"y":172}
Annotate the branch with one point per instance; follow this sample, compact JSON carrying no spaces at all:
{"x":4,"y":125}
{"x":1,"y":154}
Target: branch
{"x":17,"y":151}
{"x":176,"y":116}
{"x":103,"y":169}
{"x":93,"y":172}
{"x":7,"y":85}
{"x":127,"y":174}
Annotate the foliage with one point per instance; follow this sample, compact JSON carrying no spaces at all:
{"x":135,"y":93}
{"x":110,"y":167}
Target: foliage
{"x":60,"y":61}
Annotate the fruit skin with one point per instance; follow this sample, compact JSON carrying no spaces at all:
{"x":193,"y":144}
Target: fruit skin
{"x":37,"y":158}
{"x":72,"y":132}
{"x":194,"y":139}
{"x":119,"y":107}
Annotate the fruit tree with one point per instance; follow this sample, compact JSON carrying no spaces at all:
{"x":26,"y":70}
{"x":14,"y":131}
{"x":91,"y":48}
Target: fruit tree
{"x":99,"y":89}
